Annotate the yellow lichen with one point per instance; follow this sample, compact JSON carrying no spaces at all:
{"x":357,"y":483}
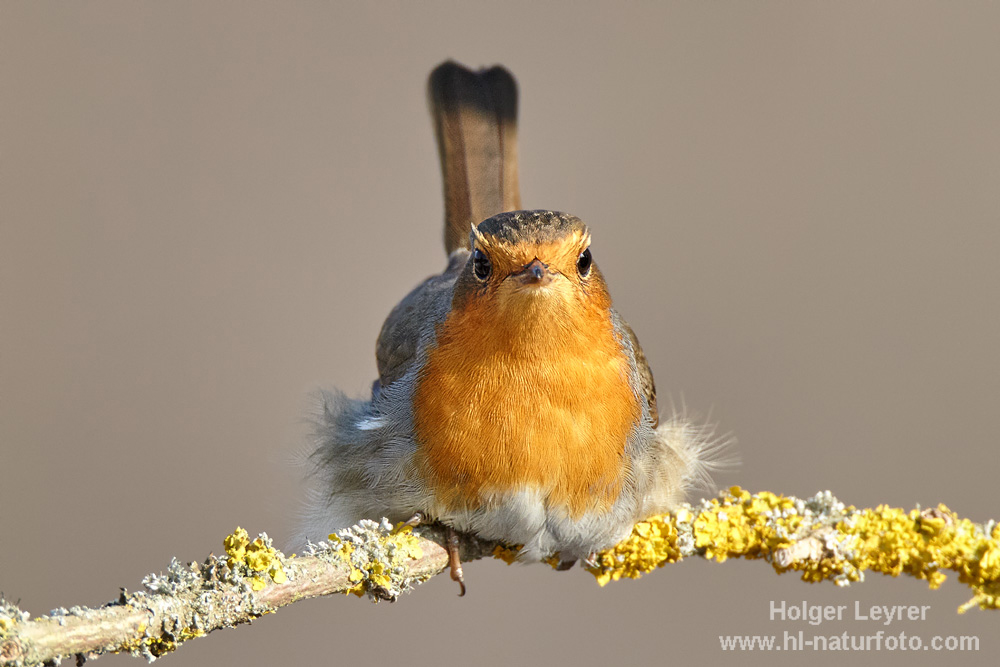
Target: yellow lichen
{"x":553,"y":561}
{"x":377,"y":566}
{"x":257,"y":557}
{"x":741,"y":524}
{"x":507,"y":554}
{"x":343,"y":551}
{"x":921,"y":544}
{"x":846,"y":542}
{"x":157,"y":646}
{"x":407,"y":544}
{"x":652,"y":544}
{"x":236,"y":546}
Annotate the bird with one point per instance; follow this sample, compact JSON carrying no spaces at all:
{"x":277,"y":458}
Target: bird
{"x":513,"y":402}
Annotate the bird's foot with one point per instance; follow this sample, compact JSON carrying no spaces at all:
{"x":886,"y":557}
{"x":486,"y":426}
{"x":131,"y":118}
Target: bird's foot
{"x":454,"y":562}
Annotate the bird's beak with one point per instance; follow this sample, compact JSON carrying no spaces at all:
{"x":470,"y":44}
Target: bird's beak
{"x":534,"y":274}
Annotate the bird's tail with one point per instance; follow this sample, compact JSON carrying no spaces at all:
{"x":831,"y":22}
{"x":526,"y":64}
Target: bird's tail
{"x":475,"y":119}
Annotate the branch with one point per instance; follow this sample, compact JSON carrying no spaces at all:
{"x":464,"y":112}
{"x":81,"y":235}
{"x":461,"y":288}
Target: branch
{"x":819,"y":537}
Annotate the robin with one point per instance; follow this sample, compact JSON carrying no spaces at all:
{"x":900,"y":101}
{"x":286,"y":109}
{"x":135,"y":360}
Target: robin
{"x":513,"y":402}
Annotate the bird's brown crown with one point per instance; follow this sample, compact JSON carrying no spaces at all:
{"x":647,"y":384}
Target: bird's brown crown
{"x":531,"y":226}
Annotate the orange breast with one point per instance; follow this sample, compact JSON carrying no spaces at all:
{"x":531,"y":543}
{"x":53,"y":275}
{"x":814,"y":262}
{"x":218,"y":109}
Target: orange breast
{"x":535,"y":397}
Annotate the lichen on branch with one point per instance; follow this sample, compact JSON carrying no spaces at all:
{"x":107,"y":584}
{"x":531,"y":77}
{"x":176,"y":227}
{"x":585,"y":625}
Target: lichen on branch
{"x":819,"y":537}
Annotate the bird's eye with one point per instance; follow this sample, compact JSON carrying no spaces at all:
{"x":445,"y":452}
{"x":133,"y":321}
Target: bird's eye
{"x":583,"y":263}
{"x":481,"y":265}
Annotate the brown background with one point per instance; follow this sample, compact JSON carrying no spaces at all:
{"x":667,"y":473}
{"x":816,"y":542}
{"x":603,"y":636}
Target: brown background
{"x":207,"y":210}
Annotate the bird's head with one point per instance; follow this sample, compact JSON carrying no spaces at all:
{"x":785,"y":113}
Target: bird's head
{"x":530,"y":264}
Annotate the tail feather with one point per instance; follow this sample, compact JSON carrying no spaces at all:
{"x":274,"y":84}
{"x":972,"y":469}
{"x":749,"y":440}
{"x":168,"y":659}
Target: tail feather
{"x":475,"y":120}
